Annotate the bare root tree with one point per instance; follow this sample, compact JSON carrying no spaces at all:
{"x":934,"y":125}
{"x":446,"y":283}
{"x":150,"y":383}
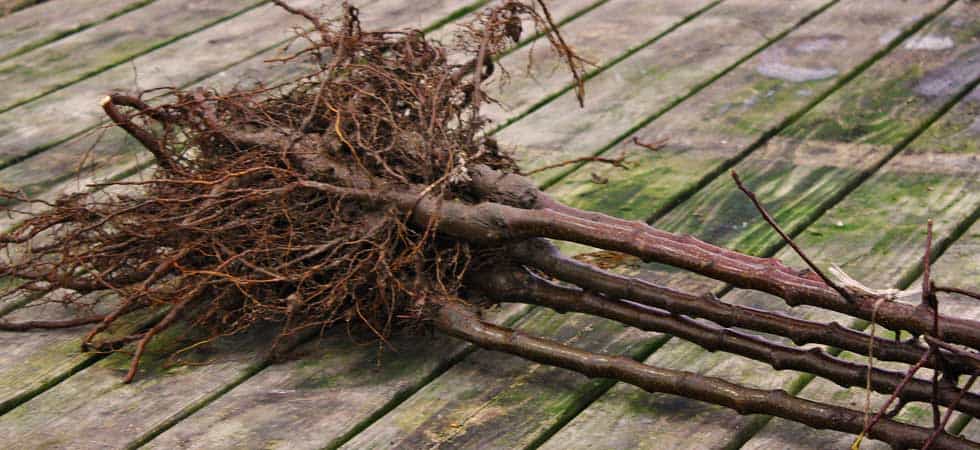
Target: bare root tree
{"x":368,"y":192}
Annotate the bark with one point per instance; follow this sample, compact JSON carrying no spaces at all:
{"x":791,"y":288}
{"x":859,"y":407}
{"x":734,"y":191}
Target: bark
{"x":457,"y":321}
{"x":543,"y":256}
{"x":516,"y":284}
{"x":493,"y":223}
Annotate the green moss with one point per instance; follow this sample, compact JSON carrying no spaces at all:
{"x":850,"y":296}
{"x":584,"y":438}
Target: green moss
{"x":720,"y":213}
{"x":916,"y":414}
{"x":750,"y":112}
{"x":954,"y":132}
{"x":871,"y":109}
{"x":157,"y":361}
{"x":651,"y":182}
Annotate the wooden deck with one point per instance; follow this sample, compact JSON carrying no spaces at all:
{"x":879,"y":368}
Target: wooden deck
{"x":855,"y":121}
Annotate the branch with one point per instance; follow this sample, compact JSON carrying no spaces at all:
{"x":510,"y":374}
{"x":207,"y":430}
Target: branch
{"x":789,"y":241}
{"x":458,"y":322}
{"x":151,"y":143}
{"x":492,"y":223}
{"x":543,"y":256}
{"x":518,"y":285}
{"x":953,"y":290}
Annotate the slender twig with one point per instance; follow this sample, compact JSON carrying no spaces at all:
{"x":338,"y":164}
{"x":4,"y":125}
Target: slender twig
{"x":167,"y":320}
{"x":300,"y":12}
{"x":566,"y":52}
{"x":775,"y":226}
{"x":929,"y":300}
{"x":151,"y":143}
{"x":615,"y":162}
{"x":896,"y":394}
{"x":652,"y":146}
{"x":954,"y":290}
{"x":969,"y":357}
{"x":949,"y":412}
{"x":926,"y":269}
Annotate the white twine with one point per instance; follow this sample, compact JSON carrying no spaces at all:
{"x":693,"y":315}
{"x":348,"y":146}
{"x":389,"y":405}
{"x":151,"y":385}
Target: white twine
{"x":848,"y":282}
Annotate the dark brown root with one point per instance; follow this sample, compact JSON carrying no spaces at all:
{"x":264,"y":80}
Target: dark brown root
{"x":236,"y":212}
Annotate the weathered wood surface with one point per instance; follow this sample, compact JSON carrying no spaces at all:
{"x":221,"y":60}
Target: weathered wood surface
{"x":36,"y":126}
{"x":736,"y":114}
{"x":878,"y":235}
{"x":649,"y":81}
{"x":825,"y":107}
{"x":31,"y":28}
{"x":509,"y":418}
{"x":112,"y":43}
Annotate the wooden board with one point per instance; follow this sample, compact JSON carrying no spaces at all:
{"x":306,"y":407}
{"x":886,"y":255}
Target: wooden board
{"x":736,"y":114}
{"x":600,"y":40}
{"x":11,"y":6}
{"x":651,"y":81}
{"x":60,"y":64}
{"x":35,"y":27}
{"x":344,"y":382}
{"x":92,"y":409}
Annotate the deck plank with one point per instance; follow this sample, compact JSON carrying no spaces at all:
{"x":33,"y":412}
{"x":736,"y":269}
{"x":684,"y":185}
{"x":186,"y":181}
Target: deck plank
{"x":651,"y":80}
{"x":37,"y":73}
{"x":29,"y":29}
{"x":92,"y":409}
{"x":736,"y":115}
{"x":345,"y":383}
{"x":11,"y":6}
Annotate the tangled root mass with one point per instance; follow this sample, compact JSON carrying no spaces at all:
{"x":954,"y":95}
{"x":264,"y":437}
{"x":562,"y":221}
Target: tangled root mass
{"x":227,"y":233}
